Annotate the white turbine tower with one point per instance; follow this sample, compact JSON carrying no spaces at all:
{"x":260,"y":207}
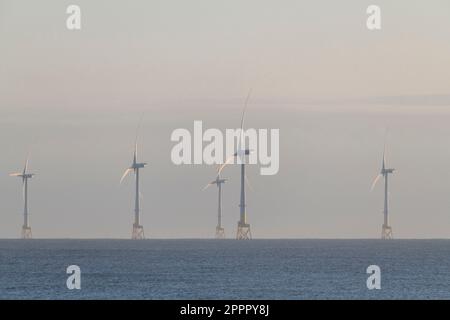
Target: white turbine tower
{"x":386,"y":229}
{"x":25,"y":175}
{"x":243,"y":227}
{"x":138,"y":229}
{"x":220,"y":231}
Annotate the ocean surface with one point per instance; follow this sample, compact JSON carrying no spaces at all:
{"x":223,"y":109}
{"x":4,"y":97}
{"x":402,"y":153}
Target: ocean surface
{"x":228,"y":269}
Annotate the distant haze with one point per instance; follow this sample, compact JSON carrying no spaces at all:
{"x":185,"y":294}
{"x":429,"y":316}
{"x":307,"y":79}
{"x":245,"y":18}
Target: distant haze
{"x":330,"y":85}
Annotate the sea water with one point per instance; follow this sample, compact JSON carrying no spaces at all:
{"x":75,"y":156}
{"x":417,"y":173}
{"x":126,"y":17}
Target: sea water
{"x":225,"y":269}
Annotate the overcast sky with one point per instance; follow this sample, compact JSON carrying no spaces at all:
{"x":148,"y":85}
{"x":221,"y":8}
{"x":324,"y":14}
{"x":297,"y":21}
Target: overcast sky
{"x":330,"y":85}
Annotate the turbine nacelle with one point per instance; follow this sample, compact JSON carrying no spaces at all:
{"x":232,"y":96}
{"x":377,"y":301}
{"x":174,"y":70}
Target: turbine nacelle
{"x":134,"y":166}
{"x":241,"y":153}
{"x":218,"y":181}
{"x":386,"y":171}
{"x":23,"y":176}
{"x":138,"y":165}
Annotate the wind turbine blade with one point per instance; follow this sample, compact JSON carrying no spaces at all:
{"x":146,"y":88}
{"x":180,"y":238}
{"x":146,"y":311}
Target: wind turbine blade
{"x":245,"y":107}
{"x":222,"y":166}
{"x":25,"y":168}
{"x":375,"y":181}
{"x":136,"y":138}
{"x":15,"y":174}
{"x":125,"y":174}
{"x":207,"y":186}
{"x":23,"y":189}
{"x":384,"y":148}
{"x":241,"y":139}
{"x":248,"y":183}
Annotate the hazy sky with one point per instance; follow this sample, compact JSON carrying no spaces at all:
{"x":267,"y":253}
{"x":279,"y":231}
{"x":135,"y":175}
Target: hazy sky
{"x":330,"y":85}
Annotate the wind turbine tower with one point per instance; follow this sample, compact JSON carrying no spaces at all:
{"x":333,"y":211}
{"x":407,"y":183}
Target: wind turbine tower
{"x":386,"y":229}
{"x":220,"y":231}
{"x":243,"y":227}
{"x":138,"y":229}
{"x":25,"y":175}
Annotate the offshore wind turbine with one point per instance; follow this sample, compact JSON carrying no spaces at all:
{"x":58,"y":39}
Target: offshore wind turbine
{"x":25,"y":175}
{"x":138,"y":229}
{"x":243,"y":227}
{"x":220,"y":231}
{"x":386,"y":229}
